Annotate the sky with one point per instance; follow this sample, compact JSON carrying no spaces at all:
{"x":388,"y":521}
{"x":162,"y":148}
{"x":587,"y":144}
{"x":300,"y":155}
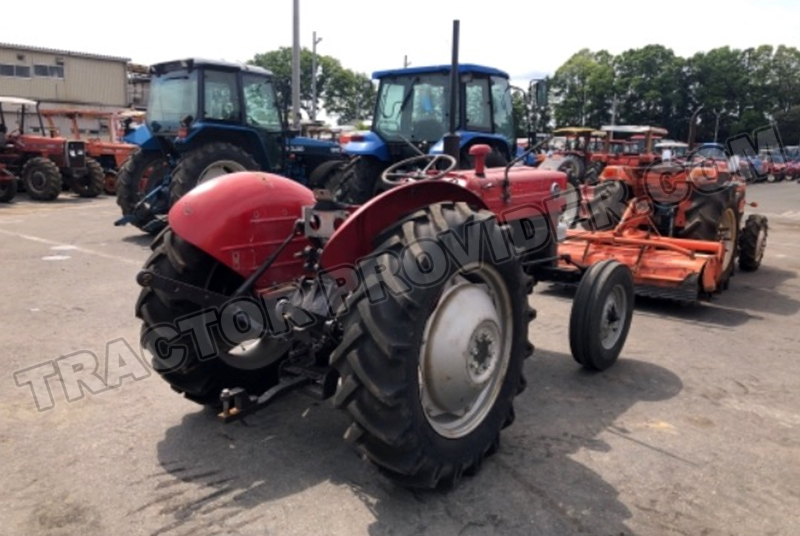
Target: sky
{"x":521,"y":38}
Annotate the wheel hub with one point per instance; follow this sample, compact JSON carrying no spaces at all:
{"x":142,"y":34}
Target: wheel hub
{"x":612,"y":321}
{"x":464,"y":356}
{"x":38,"y":180}
{"x":220,"y":168}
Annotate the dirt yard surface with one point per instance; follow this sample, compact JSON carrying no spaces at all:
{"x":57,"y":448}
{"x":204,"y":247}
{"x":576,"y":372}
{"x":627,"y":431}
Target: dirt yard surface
{"x":695,"y":431}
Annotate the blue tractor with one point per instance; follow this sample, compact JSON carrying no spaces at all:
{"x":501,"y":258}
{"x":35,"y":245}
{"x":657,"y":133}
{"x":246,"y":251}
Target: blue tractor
{"x":412,"y":116}
{"x":206,"y":119}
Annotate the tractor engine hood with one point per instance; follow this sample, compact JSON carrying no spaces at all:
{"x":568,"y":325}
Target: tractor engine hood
{"x":241,"y":218}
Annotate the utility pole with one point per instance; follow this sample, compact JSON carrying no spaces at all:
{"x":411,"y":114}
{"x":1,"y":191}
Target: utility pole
{"x":314,"y":76}
{"x":406,"y":63}
{"x":296,"y":68}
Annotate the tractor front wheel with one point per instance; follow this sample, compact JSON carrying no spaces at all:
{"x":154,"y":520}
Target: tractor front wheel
{"x":42,"y":179}
{"x":8,"y":189}
{"x":429,"y":374}
{"x":601,"y":315}
{"x":93,"y":183}
{"x":753,"y":242}
{"x":141,"y":172}
{"x":208,"y":162}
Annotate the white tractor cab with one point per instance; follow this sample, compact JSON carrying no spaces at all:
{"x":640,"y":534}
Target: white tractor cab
{"x":678,"y":149}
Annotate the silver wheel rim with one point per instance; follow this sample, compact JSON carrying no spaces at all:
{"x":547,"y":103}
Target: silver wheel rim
{"x":38,"y":180}
{"x":465,"y":352}
{"x":615,"y":309}
{"x":728,"y":231}
{"x":761,"y":244}
{"x":218,"y":169}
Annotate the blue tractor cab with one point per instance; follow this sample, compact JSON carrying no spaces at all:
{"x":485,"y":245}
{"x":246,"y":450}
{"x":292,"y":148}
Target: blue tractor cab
{"x":205,"y":119}
{"x":412,"y":116}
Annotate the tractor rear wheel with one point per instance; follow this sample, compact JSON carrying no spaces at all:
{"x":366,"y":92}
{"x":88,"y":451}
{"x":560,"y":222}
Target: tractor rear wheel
{"x":361,"y":181}
{"x":208,"y":162}
{"x":8,"y":189}
{"x":429,"y":374}
{"x":93,"y":183}
{"x":575,"y":169}
{"x":139,"y":174}
{"x":181,"y":356}
{"x":753,"y":242}
{"x":714,"y":217}
{"x":601,"y":315}
{"x":41,"y":178}
{"x":607,"y":205}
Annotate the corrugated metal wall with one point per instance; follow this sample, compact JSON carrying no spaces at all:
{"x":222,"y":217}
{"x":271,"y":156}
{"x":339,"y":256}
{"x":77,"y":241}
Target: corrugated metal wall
{"x":86,"y":80}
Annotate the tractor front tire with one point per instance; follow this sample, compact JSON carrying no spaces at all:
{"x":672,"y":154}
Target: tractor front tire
{"x":199,"y":377}
{"x":93,"y":183}
{"x":753,"y":242}
{"x":206,"y":163}
{"x":41,"y":178}
{"x":8,"y":190}
{"x":429,"y":374}
{"x":607,"y":205}
{"x":141,"y":172}
{"x":575,"y":169}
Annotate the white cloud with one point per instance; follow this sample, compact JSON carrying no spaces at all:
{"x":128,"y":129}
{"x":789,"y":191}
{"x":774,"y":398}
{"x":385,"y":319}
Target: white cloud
{"x":370,"y":35}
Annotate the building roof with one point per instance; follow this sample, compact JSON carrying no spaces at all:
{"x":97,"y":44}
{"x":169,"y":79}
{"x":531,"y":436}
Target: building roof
{"x":64,"y":52}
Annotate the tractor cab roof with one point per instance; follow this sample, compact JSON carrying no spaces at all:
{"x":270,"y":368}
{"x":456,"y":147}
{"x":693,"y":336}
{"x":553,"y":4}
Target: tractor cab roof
{"x":464,"y":68}
{"x":671,"y":144}
{"x":634,"y":129}
{"x":193,"y":63}
{"x":18,"y":101}
{"x":579,"y":131}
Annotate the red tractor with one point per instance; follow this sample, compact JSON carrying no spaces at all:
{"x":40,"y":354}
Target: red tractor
{"x":410,"y":312}
{"x":101,"y":129}
{"x":45,"y":165}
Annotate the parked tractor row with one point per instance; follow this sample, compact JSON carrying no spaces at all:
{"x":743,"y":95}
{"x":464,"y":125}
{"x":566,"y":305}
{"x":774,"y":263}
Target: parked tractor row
{"x":44,"y":163}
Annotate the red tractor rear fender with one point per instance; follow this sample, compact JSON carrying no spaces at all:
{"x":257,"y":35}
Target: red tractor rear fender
{"x":241,"y":218}
{"x":355,"y":238}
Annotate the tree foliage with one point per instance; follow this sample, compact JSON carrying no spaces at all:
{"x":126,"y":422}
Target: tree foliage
{"x":341,"y":92}
{"x":739,"y":90}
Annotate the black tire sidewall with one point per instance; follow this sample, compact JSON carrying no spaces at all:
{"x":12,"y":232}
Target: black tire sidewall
{"x":191,"y":165}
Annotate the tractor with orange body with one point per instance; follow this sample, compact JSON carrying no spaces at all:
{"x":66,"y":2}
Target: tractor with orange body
{"x":103,"y":143}
{"x":678,"y":225}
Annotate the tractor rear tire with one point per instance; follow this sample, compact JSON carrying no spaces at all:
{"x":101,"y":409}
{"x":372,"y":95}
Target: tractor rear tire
{"x":575,"y":169}
{"x":93,"y":183}
{"x":208,"y":162}
{"x":361,"y":181}
{"x":416,"y":414}
{"x":753,"y":242}
{"x":200,"y":378}
{"x":607,"y":205}
{"x":601,"y":315}
{"x":8,"y":190}
{"x":705,"y":216}
{"x":41,"y":179}
{"x":141,"y":172}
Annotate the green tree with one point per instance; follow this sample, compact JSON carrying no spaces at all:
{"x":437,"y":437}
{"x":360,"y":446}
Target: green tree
{"x":341,"y":92}
{"x":583,"y":88}
{"x":788,"y":123}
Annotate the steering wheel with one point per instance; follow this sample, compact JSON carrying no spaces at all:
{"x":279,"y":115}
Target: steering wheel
{"x":393,"y":177}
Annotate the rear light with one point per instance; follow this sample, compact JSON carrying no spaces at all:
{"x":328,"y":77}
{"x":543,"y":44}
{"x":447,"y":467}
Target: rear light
{"x":357,"y":137}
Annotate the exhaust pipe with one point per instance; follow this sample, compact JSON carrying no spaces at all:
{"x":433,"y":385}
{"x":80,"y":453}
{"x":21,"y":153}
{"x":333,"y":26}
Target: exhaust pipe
{"x":452,"y":141}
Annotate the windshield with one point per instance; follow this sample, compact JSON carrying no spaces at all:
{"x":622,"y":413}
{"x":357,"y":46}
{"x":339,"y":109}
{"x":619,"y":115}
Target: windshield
{"x":261,"y":103}
{"x":503,"y":109}
{"x":173,"y":96}
{"x":709,"y":153}
{"x":415,"y":108}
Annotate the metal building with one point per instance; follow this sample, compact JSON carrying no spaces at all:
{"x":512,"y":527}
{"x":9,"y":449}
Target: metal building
{"x":63,"y":77}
